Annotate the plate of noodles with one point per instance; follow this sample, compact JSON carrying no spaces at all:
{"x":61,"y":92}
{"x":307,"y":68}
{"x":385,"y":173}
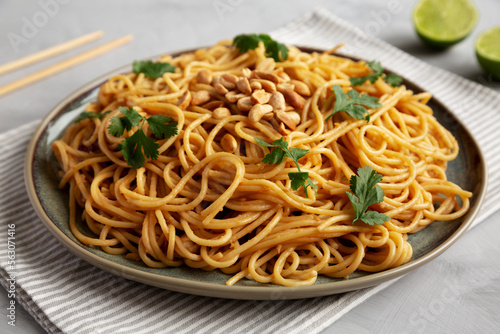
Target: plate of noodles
{"x":228,"y":171}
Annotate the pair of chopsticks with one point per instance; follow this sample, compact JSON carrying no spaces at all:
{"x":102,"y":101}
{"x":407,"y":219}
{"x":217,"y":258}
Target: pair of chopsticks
{"x":65,"y":64}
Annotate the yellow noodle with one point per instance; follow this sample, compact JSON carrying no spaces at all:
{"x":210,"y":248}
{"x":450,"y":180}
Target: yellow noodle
{"x":208,"y":201}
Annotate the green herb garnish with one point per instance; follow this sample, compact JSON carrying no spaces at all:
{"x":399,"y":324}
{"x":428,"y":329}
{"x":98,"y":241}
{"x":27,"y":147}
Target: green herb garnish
{"x":353,"y":103}
{"x":138,"y":146}
{"x":366,"y":192}
{"x":392,"y":79}
{"x":151,"y":69}
{"x":276,"y":156}
{"x":275,"y":50}
{"x":91,"y":114}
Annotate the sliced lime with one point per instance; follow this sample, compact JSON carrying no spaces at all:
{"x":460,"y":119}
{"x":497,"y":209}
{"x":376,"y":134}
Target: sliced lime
{"x":443,"y":23}
{"x":488,"y":51}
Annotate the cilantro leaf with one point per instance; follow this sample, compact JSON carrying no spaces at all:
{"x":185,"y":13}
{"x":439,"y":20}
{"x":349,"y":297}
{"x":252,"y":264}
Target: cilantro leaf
{"x":301,"y":179}
{"x":374,"y":217}
{"x":162,"y":126}
{"x":276,"y":156}
{"x":151,"y":69}
{"x":246,"y":42}
{"x":392,"y":79}
{"x":120,"y":124}
{"x":277,"y":51}
{"x":352,"y":103}
{"x":274,"y":49}
{"x":91,"y":114}
{"x":376,"y":67}
{"x":298,"y":179}
{"x":133,"y":147}
{"x":139,"y":146}
{"x":366,"y":192}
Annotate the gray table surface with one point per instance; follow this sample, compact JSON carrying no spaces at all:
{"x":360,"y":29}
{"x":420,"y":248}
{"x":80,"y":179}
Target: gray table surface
{"x":459,"y":292}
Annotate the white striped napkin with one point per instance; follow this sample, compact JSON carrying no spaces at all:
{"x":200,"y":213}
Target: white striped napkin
{"x":65,"y":294}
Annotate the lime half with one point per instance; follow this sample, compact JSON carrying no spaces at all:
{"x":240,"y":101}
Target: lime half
{"x":488,"y":51}
{"x":443,"y":23}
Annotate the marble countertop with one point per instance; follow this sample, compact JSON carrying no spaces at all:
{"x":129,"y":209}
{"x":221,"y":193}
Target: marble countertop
{"x":459,"y":292}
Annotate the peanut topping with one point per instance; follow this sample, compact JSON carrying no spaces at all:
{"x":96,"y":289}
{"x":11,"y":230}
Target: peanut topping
{"x":301,"y":88}
{"x":221,"y":113}
{"x":258,"y":111}
{"x":260,"y":96}
{"x":244,"y":86}
{"x":219,"y":89}
{"x":204,"y":77}
{"x":283,"y":130}
{"x":255,"y":85}
{"x":244,"y":104}
{"x":213,"y":104}
{"x":266,"y":93}
{"x":234,"y":96}
{"x":291,"y":119}
{"x":184,"y":101}
{"x":285,"y":85}
{"x":266,"y":76}
{"x":246,"y":72}
{"x":226,"y":83}
{"x":277,"y":101}
{"x":200,"y":97}
{"x":267,"y":85}
{"x":229,"y":143}
{"x":230,"y":78}
{"x":293,"y":98}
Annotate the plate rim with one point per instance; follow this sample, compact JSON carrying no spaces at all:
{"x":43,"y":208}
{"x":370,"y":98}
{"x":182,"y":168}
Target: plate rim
{"x":209,"y":289}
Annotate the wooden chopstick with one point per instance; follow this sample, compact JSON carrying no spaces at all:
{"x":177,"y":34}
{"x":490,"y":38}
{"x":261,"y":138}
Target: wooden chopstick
{"x":63,"y":65}
{"x":52,"y":51}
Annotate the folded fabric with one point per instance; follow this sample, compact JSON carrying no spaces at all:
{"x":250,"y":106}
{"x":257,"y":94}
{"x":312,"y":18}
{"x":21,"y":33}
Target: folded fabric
{"x":65,"y":294}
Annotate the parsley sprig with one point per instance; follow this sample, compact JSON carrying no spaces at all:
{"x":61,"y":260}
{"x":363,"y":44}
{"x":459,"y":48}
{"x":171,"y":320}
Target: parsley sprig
{"x":279,"y":152}
{"x":392,"y":79}
{"x":139,"y":146}
{"x":151,"y":69}
{"x":366,"y":192}
{"x":353,"y":103}
{"x":275,"y":50}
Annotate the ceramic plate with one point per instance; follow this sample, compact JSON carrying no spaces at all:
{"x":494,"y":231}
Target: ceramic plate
{"x":51,"y":204}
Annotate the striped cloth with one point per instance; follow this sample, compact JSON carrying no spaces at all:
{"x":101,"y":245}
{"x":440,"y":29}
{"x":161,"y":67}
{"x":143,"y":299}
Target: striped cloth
{"x":67,"y":295}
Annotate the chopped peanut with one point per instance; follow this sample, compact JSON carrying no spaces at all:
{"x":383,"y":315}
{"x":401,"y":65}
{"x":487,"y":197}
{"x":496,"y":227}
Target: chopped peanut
{"x":229,"y":143}
{"x":301,"y":88}
{"x":221,"y":113}
{"x":245,"y":103}
{"x":291,"y":119}
{"x":244,"y":86}
{"x":204,"y":77}
{"x":234,"y":96}
{"x":184,"y":101}
{"x":200,"y":97}
{"x":258,"y":111}
{"x":277,"y":101}
{"x":260,"y":96}
{"x":293,"y":98}
{"x":219,"y":89}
